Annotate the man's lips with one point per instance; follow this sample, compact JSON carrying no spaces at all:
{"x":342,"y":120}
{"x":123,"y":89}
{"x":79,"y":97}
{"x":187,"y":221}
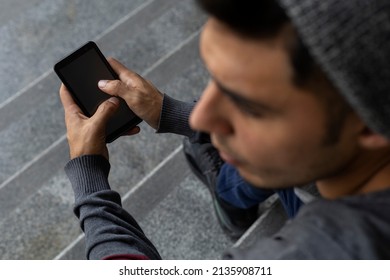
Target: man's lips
{"x":224,"y":153}
{"x":228,"y":158}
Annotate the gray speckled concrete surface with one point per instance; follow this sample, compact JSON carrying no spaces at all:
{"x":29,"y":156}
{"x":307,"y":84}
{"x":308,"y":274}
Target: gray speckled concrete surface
{"x":183,"y":226}
{"x":41,"y":225}
{"x":11,"y":9}
{"x":35,"y":39}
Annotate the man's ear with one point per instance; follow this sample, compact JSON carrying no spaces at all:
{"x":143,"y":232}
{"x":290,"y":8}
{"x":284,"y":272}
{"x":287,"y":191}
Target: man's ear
{"x":372,"y":140}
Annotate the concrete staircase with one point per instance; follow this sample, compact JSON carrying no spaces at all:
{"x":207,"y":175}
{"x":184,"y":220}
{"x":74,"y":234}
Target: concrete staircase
{"x":159,"y":40}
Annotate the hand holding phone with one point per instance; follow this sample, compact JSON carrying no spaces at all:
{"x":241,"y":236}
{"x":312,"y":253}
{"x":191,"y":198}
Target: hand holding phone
{"x":141,"y":95}
{"x":80,"y":72}
{"x":86,"y":136}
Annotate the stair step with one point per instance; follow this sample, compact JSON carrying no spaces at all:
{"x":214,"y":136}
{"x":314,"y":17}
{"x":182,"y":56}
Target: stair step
{"x":272,"y":219}
{"x":36,"y":34}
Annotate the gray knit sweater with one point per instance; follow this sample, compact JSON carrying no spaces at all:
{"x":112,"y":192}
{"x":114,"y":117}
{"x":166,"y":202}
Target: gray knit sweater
{"x":355,"y":227}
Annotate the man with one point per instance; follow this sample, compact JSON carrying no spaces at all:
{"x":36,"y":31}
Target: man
{"x":298,"y":93}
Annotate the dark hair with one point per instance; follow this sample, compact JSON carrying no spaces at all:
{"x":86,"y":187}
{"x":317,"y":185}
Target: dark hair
{"x":254,"y":18}
{"x":265,"y":19}
{"x":260,"y":19}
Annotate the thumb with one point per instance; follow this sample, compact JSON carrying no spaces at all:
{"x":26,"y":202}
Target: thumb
{"x":106,"y":110}
{"x":112,"y":87}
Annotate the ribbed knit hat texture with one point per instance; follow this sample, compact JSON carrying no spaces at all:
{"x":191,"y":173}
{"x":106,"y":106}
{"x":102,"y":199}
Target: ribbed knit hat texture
{"x":350,"y":40}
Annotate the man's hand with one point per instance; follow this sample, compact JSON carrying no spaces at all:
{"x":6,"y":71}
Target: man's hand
{"x":86,"y":136}
{"x":140,"y":95}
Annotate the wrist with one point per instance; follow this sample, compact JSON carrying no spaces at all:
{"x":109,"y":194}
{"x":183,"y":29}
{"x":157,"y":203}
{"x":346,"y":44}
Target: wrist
{"x":156,"y":116}
{"x":88,"y":149}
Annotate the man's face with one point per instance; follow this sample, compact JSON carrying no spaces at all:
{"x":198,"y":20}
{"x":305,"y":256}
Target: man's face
{"x":272,"y":131}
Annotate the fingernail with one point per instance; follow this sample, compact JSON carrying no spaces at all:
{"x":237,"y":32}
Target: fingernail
{"x":114,"y":100}
{"x":102,"y":83}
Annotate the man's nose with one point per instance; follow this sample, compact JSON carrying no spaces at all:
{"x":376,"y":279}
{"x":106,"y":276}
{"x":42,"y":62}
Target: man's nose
{"x":210,"y":114}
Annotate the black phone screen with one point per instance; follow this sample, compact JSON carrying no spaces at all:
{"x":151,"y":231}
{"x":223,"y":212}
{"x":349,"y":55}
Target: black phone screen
{"x":80,"y":72}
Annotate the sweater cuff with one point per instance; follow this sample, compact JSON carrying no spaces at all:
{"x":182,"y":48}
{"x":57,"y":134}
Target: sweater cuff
{"x":88,"y":174}
{"x":175,"y":117}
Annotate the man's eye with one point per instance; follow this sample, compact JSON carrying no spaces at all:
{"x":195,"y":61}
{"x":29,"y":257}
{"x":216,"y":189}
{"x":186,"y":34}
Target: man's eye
{"x":251,"y":112}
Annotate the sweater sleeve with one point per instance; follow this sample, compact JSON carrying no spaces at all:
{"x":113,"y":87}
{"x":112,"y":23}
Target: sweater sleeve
{"x":110,"y":231}
{"x":175,"y":117}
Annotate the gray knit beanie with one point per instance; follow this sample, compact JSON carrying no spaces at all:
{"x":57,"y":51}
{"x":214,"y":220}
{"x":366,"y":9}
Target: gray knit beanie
{"x":350,"y":40}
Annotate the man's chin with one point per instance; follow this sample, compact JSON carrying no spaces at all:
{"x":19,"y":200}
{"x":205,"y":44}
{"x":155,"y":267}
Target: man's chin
{"x":252,"y":179}
{"x":260,"y":182}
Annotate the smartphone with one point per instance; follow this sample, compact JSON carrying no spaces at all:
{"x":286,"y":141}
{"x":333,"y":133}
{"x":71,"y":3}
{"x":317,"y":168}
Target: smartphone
{"x":80,"y":72}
